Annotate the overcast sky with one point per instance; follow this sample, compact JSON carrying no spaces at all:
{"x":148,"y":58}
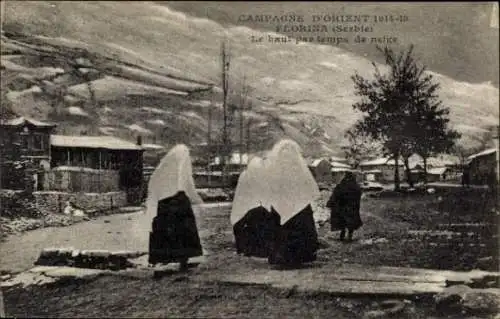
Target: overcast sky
{"x":455,"y":39}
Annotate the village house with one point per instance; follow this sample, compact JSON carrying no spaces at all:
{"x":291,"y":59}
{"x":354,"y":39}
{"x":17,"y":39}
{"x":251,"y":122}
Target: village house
{"x":338,"y":171}
{"x":439,"y":169}
{"x":28,"y":139}
{"x":95,"y":164}
{"x":381,"y":170}
{"x":25,"y":143}
{"x":321,"y":170}
{"x":482,"y":167}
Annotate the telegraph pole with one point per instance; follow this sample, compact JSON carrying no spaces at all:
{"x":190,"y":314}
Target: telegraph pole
{"x":225,"y":91}
{"x":209,"y":139}
{"x":242,"y":106}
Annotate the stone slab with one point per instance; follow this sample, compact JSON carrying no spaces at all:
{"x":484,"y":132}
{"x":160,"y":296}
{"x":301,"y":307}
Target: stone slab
{"x":356,"y":279}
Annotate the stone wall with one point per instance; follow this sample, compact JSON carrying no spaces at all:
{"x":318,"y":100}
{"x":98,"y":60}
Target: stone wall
{"x":54,"y":202}
{"x":39,"y":204}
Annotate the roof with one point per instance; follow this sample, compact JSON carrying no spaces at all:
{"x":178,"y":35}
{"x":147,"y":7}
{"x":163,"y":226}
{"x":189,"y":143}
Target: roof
{"x":152,"y":147}
{"x":437,"y":170}
{"x":337,"y":159}
{"x":316,"y":162}
{"x":380,"y":161}
{"x":483,"y":153}
{"x":339,"y":165}
{"x":340,"y":169}
{"x":106,"y":142}
{"x":19,"y":121}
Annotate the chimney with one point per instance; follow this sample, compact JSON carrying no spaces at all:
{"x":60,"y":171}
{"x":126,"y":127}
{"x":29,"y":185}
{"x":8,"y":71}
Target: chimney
{"x":139,"y":140}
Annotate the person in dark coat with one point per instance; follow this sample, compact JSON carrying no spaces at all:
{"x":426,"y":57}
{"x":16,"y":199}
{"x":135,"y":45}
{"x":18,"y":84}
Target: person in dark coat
{"x":344,"y":206}
{"x":255,"y":232}
{"x":175,"y":236}
{"x":296,"y":241}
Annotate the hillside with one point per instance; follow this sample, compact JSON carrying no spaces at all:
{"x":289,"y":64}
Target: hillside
{"x":150,"y":69}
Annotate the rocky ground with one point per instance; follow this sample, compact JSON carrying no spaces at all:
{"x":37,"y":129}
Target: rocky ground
{"x":387,"y":238}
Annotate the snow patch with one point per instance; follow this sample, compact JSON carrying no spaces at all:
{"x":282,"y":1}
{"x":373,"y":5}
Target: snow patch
{"x":329,"y":65}
{"x":75,"y":110}
{"x":157,"y":122}
{"x":139,"y":129}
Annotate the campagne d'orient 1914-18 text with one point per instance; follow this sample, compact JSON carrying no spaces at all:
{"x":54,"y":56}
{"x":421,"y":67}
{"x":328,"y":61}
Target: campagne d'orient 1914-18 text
{"x":319,"y":23}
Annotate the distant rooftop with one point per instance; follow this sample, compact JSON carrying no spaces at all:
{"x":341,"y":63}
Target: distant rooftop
{"x":483,"y":153}
{"x":106,"y":142}
{"x":20,"y":121}
{"x":380,"y":161}
{"x":153,"y":147}
{"x":340,"y":165}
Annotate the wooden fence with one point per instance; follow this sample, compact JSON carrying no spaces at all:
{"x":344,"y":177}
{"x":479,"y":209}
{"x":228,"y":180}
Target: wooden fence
{"x":70,"y":179}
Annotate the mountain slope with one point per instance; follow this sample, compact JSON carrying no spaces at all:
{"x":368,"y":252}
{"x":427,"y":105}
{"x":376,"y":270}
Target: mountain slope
{"x":149,"y":68}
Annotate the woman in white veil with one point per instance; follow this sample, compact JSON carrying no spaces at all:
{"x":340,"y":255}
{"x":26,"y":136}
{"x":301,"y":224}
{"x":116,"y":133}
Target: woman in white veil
{"x":254,"y":226}
{"x":292,"y":193}
{"x":171,"y":194}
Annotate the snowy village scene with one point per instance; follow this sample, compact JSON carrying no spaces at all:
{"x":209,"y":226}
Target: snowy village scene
{"x":182,"y":159}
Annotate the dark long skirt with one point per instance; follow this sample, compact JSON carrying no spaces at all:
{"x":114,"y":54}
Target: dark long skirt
{"x":296,"y":241}
{"x":175,"y":236}
{"x":255,"y":232}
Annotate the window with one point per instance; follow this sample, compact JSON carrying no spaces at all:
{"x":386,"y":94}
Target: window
{"x":25,"y":141}
{"x":37,"y":142}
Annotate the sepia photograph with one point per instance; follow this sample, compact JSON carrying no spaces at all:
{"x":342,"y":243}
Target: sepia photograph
{"x":240,"y":159}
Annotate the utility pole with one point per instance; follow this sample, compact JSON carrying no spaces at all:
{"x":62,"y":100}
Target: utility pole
{"x":209,"y":139}
{"x":248,"y":135}
{"x":242,"y":106}
{"x":225,"y":91}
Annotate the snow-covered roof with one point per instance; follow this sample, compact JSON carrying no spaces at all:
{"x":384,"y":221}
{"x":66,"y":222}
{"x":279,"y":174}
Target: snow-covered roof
{"x":316,"y":162}
{"x":339,"y":165}
{"x":436,"y":171}
{"x":106,"y":142}
{"x":152,"y":147}
{"x":380,"y":161}
{"x":340,"y":169}
{"x":483,"y":153}
{"x":19,"y":121}
{"x":337,"y":159}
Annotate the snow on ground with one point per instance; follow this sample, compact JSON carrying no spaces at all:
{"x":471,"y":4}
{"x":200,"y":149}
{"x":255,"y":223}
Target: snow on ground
{"x":159,"y":122}
{"x":139,"y":129}
{"x":75,"y":110}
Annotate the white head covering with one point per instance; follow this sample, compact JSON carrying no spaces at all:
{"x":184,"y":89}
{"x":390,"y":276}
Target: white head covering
{"x":250,"y":191}
{"x":172,"y":175}
{"x":291,"y":185}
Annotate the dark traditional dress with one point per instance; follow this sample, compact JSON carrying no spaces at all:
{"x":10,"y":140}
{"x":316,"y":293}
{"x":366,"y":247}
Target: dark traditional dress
{"x":175,"y":236}
{"x":296,"y":240}
{"x":345,"y":204}
{"x":255,"y":232}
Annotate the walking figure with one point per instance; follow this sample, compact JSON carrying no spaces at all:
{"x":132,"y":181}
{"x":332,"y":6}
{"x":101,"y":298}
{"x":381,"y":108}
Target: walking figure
{"x":344,"y":205}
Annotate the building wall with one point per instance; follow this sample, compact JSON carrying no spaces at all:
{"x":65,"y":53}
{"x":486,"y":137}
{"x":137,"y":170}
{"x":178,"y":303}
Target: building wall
{"x":39,"y":204}
{"x":387,"y":175}
{"x":482,"y":169}
{"x":25,"y":142}
{"x":54,"y":202}
{"x":73,"y":180}
{"x":202,"y":181}
{"x":322,"y":172}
